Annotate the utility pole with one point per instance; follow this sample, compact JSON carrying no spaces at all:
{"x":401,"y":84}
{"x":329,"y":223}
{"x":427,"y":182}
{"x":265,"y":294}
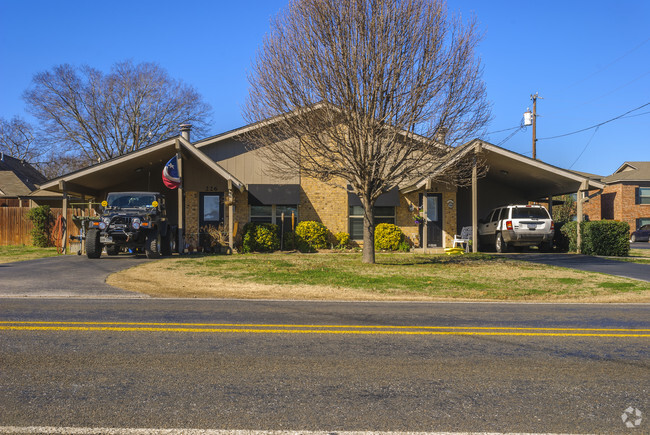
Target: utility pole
{"x":534,"y":98}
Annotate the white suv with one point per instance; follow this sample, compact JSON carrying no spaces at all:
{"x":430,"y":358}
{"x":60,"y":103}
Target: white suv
{"x":517,"y":225}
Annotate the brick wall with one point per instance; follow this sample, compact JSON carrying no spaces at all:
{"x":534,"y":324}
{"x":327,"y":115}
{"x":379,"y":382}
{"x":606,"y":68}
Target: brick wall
{"x":323,"y":203}
{"x":618,"y":202}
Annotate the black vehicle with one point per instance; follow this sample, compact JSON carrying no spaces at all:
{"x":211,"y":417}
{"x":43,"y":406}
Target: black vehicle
{"x":135,"y":221}
{"x":641,"y":235}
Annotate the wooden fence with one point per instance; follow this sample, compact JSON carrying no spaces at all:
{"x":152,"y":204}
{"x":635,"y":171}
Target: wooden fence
{"x":15,"y":227}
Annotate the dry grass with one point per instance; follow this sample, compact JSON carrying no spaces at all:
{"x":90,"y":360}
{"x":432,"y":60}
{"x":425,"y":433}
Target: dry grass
{"x":394,"y":277}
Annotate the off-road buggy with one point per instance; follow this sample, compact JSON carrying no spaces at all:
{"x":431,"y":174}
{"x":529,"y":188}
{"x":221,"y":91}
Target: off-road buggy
{"x":135,"y":221}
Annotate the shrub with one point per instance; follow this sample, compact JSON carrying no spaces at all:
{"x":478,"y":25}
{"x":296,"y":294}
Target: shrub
{"x":40,"y":217}
{"x":560,"y":240}
{"x":260,"y":238}
{"x":388,"y":237}
{"x":342,"y":240}
{"x":606,"y":238}
{"x":599,"y":237}
{"x":311,"y":235}
{"x":289,"y":241}
{"x":569,"y":231}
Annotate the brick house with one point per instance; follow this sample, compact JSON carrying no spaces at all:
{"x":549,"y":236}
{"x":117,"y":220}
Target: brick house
{"x":224,"y":182}
{"x":625,"y":197}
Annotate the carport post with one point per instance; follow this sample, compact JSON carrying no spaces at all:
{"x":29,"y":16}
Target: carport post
{"x":181,"y":207}
{"x":64,"y":215}
{"x":475,"y":199}
{"x":231,"y":216}
{"x":583,"y":187}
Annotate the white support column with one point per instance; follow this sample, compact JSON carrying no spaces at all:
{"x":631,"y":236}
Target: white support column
{"x":475,"y":200}
{"x":580,"y":200}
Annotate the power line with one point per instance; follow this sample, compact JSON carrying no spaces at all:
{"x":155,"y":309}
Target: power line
{"x":585,"y":148}
{"x":595,"y":126}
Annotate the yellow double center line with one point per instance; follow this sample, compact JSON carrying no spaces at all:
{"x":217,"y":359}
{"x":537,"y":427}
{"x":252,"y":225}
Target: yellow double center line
{"x":320,"y":329}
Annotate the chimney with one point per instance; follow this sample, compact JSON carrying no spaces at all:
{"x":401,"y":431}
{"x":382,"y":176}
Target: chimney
{"x":185,"y":131}
{"x":441,"y":135}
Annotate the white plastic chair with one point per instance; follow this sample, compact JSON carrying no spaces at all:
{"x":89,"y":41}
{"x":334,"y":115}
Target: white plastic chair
{"x":463,"y":239}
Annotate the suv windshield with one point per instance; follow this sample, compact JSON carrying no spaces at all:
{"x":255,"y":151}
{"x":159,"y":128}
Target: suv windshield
{"x":130,"y":200}
{"x":529,"y":213}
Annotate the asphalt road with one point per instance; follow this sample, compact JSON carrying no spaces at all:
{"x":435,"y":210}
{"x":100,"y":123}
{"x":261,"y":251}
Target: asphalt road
{"x":323,"y":366}
{"x":66,"y":276}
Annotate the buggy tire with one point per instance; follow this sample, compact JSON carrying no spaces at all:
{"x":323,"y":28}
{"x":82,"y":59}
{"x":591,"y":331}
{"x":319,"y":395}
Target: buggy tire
{"x":112,"y":249}
{"x":152,"y":245}
{"x":93,"y":247}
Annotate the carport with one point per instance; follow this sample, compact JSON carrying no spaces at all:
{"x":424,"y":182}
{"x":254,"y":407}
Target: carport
{"x":509,"y":178}
{"x":512,"y":178}
{"x":141,"y":170}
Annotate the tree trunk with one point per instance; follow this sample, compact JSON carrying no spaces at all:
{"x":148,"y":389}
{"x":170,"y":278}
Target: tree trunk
{"x":368,"y":255}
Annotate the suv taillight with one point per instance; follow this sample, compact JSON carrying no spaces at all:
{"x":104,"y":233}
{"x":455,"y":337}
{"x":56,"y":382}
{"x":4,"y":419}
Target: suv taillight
{"x":552,"y":225}
{"x":508,"y":225}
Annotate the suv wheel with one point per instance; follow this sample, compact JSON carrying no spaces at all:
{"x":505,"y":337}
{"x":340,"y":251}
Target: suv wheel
{"x":152,"y":244}
{"x":633,"y":238}
{"x":93,"y":247}
{"x":499,"y":245}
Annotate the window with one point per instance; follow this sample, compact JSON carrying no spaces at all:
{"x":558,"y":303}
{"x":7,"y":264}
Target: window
{"x":383,"y":215}
{"x":272,"y":214}
{"x":643,"y":195}
{"x":641,"y":222}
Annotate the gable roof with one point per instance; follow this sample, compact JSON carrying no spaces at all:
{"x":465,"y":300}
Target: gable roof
{"x":17,"y":176}
{"x":96,"y":177}
{"x":630,"y":171}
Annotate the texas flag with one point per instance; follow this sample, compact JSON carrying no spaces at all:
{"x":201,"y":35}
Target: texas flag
{"x":170,"y":174}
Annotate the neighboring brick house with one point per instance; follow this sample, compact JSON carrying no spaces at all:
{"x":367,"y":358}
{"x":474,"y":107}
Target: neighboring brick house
{"x":626,"y":196}
{"x":18,"y":179}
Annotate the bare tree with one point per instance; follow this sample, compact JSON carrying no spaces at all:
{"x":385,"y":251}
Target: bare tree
{"x":99,"y":116}
{"x":18,"y":139}
{"x":364,"y":87}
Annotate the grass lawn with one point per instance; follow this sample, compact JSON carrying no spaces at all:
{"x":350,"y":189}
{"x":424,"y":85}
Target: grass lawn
{"x":394,"y":277}
{"x":641,"y":256}
{"x":12,"y":253}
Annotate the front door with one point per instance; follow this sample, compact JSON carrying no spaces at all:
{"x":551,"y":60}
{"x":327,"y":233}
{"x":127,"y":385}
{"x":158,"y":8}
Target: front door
{"x":433,"y":219}
{"x":210,"y":209}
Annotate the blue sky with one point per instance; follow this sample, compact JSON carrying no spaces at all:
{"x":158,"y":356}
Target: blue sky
{"x":588,"y":60}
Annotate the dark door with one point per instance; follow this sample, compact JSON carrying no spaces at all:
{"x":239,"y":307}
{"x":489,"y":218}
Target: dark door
{"x":433,"y":219}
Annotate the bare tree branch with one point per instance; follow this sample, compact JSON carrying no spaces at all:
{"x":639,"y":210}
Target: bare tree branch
{"x":100,"y":116}
{"x":363,"y":88}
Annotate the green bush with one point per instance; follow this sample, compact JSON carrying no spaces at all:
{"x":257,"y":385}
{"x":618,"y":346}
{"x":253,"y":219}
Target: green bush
{"x":606,"y":238}
{"x":310,"y":236}
{"x":342,"y":240}
{"x":599,"y":237}
{"x":40,"y":217}
{"x":260,"y":238}
{"x":289,"y":241}
{"x":388,"y":237}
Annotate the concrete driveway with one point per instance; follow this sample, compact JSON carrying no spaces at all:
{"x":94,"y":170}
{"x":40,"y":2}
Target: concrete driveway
{"x":66,"y":276}
{"x":589,"y":264}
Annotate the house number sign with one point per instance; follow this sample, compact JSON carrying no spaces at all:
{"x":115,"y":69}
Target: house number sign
{"x":450,"y":203}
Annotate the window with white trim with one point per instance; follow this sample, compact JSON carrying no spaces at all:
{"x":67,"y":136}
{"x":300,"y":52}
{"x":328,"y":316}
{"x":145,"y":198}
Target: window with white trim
{"x":272,"y":214}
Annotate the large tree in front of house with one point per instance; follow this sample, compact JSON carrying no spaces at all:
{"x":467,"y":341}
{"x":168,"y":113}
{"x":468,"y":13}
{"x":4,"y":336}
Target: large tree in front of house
{"x":354,"y":92}
{"x":90,"y":115}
